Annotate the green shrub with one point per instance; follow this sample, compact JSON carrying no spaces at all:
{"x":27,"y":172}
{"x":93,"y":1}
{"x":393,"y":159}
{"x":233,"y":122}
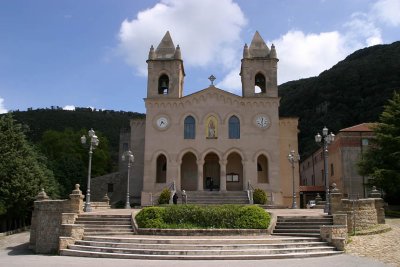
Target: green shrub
{"x":259,"y":196}
{"x":392,"y":213}
{"x":165,"y":196}
{"x":151,"y":217}
{"x":193,"y":216}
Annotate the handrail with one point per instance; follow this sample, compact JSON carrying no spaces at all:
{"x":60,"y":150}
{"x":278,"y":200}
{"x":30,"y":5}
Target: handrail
{"x":171,"y":187}
{"x":250,"y":190}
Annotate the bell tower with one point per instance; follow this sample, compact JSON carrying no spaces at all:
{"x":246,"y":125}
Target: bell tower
{"x":165,"y":70}
{"x":259,"y":69}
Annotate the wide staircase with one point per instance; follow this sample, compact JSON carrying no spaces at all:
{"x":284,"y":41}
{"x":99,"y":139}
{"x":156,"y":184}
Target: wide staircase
{"x":105,"y":224}
{"x":301,"y":225}
{"x":217,"y":197}
{"x":203,"y":248}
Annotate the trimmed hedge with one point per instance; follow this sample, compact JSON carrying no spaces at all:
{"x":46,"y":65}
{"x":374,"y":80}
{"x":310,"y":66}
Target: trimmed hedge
{"x":204,"y":217}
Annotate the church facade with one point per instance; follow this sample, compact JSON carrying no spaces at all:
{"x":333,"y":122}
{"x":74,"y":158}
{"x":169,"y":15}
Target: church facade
{"x":213,"y":139}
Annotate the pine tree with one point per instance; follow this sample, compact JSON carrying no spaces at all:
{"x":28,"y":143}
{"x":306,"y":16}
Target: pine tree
{"x":22,"y":174}
{"x":382,"y":161}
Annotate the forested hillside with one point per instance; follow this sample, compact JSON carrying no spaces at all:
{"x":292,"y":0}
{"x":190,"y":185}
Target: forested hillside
{"x":107,"y":122}
{"x":351,"y":92}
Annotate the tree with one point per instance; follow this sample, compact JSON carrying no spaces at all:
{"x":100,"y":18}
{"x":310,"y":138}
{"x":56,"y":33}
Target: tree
{"x":68,"y":159}
{"x":382,"y":161}
{"x":22,"y":174}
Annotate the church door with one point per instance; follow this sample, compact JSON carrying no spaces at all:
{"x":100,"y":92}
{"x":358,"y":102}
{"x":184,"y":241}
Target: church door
{"x":211,"y":172}
{"x":189,"y":172}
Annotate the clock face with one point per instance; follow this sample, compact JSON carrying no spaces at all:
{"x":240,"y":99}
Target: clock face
{"x":162,"y":122}
{"x":262,"y":121}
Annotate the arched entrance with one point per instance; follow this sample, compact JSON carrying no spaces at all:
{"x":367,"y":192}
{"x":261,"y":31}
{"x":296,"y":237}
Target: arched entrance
{"x":234,"y":173}
{"x":211,"y":172}
{"x":189,"y":172}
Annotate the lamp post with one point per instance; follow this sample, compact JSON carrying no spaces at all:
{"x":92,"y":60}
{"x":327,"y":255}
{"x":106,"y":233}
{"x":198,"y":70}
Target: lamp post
{"x":326,"y":140}
{"x":94,"y":142}
{"x":128,"y":156}
{"x":293,"y":158}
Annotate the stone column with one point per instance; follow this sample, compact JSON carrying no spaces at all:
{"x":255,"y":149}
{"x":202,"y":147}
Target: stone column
{"x":245,"y":174}
{"x":200,"y":164}
{"x":222,"y":176}
{"x":76,"y":200}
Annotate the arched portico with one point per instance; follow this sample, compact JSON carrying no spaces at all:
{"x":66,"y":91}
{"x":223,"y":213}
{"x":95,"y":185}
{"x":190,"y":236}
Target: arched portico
{"x":189,"y":173}
{"x":211,"y":172}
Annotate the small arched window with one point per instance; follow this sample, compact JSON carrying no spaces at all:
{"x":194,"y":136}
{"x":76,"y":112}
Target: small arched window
{"x":234,"y":128}
{"x":163,"y":85}
{"x":161,"y":173}
{"x":259,"y":83}
{"x":189,"y":128}
{"x":262,"y":169}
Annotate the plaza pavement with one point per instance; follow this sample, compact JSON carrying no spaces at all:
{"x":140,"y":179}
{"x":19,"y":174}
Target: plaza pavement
{"x":372,"y":251}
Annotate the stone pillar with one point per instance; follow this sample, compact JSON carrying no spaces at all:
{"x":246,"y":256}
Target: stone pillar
{"x":200,"y":164}
{"x":76,"y":200}
{"x":222,"y":176}
{"x":379,"y":204}
{"x":245,"y":177}
{"x":336,"y":199}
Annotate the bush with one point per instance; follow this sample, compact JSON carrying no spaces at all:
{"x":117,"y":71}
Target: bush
{"x":193,"y":216}
{"x":165,"y":196}
{"x":259,"y":196}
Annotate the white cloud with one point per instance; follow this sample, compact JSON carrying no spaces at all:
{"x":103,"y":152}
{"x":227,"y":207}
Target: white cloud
{"x":2,"y":107}
{"x":207,"y":31}
{"x":69,"y":107}
{"x":303,"y":55}
{"x":387,"y":11}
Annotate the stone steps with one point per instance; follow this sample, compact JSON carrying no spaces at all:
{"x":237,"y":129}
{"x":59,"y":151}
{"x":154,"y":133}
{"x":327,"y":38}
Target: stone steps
{"x":217,"y":197}
{"x":301,"y":225}
{"x":141,"y":247}
{"x":95,"y":224}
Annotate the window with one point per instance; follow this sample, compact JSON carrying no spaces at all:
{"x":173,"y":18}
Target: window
{"x":232,"y":177}
{"x":125,"y":147}
{"x":161,"y":175}
{"x":234,"y":128}
{"x":110,"y":188}
{"x":332,"y":170}
{"x":189,"y":128}
{"x":259,"y":83}
{"x":262,"y":169}
{"x":365,"y":142}
{"x":163,"y":85}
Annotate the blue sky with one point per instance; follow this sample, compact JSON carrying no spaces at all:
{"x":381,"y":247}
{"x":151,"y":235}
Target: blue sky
{"x":92,"y":53}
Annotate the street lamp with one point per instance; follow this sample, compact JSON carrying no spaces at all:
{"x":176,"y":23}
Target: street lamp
{"x":327,"y":139}
{"x":293,"y":158}
{"x":128,"y":156}
{"x":94,"y":142}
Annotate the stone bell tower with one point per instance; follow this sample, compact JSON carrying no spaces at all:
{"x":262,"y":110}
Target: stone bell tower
{"x":259,"y":69}
{"x":165,"y":70}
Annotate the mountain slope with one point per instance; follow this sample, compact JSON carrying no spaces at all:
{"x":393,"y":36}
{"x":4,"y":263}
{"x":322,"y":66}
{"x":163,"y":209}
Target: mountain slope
{"x":351,"y":92}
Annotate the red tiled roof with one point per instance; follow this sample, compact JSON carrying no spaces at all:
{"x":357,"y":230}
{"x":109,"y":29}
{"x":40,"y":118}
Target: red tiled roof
{"x":363,"y":127}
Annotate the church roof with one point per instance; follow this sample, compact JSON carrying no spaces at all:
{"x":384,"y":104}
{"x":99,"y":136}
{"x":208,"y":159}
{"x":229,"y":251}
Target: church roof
{"x":166,"y":48}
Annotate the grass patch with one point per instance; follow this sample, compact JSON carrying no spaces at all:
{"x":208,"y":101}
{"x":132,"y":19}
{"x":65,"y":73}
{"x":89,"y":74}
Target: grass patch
{"x":204,"y":217}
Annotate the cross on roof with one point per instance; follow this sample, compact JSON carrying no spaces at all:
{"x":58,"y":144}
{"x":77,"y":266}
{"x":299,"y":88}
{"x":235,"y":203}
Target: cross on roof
{"x":212,"y":79}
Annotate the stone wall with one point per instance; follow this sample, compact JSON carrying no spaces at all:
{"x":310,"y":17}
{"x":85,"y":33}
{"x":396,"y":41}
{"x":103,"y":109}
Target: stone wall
{"x":361,"y":213}
{"x":49,"y":220}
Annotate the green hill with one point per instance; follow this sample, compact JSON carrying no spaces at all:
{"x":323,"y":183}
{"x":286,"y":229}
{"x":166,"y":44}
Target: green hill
{"x":351,"y":92}
{"x":108,"y":122}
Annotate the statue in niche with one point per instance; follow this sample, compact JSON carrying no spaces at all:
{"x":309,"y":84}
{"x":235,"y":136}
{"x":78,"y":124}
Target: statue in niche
{"x":211,"y":129}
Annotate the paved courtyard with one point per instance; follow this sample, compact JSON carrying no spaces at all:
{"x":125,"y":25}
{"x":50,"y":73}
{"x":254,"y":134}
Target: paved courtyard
{"x":384,"y":247}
